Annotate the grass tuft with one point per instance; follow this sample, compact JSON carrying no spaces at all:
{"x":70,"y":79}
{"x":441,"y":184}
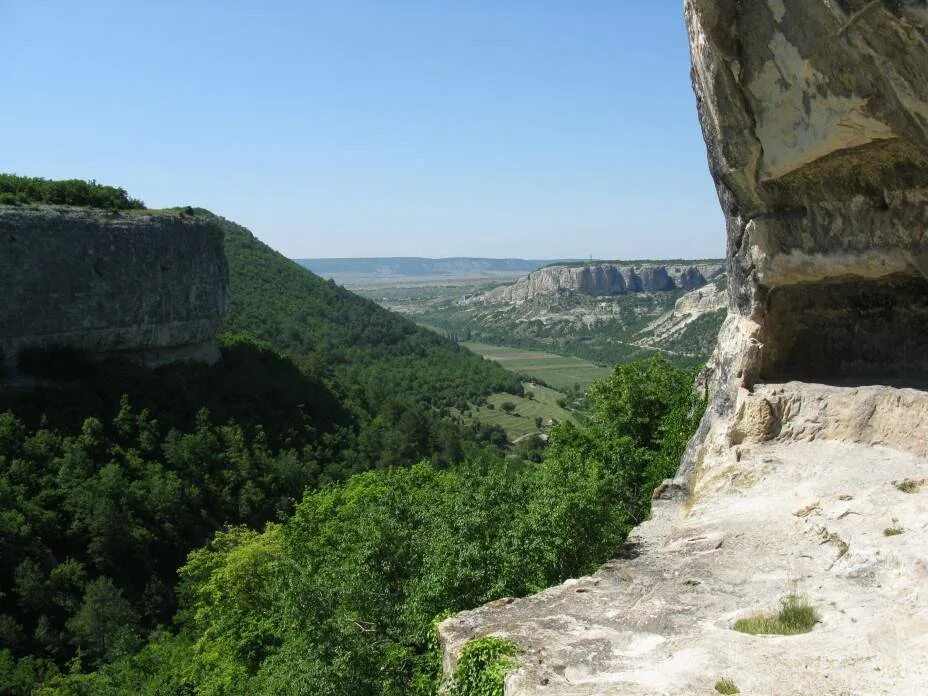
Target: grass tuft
{"x":796,"y":615}
{"x":726,"y":686}
{"x":908,"y":485}
{"x":894,"y":530}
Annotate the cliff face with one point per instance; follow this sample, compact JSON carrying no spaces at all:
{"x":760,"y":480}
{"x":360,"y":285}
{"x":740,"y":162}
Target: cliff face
{"x":809,"y":472}
{"x":816,"y":119}
{"x":152,"y":287}
{"x":604,"y":279}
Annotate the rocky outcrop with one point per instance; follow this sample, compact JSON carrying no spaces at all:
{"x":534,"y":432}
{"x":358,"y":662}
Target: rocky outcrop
{"x":603,"y":279}
{"x":148,"y":286}
{"x":816,"y":120}
{"x":690,"y":307}
{"x":801,"y":504}
{"x":815,"y":114}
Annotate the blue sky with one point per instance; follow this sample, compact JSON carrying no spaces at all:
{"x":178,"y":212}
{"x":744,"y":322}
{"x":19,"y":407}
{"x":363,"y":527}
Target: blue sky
{"x":526,"y":128}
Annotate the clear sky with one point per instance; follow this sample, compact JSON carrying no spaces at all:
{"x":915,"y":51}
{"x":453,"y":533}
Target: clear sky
{"x":524,"y":128}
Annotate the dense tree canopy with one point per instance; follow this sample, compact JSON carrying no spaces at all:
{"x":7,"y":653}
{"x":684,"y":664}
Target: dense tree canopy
{"x":341,"y":597}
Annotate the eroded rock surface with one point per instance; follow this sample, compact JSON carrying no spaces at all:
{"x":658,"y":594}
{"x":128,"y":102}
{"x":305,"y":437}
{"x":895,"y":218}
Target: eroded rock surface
{"x":693,"y":305}
{"x":801,"y":504}
{"x":149,"y":286}
{"x":816,"y":118}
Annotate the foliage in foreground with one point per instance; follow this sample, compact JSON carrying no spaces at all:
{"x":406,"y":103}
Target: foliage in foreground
{"x":482,"y":667}
{"x":796,"y":616}
{"x":340,"y":598}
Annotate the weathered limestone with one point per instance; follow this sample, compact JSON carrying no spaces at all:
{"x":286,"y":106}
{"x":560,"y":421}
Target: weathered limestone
{"x":690,"y":307}
{"x":815,"y":114}
{"x":151,"y":287}
{"x":816,"y":119}
{"x":799,"y":505}
{"x":602,"y":279}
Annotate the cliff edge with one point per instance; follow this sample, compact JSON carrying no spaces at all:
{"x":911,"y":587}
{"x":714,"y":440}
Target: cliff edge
{"x":808,"y":475}
{"x":152,"y":287}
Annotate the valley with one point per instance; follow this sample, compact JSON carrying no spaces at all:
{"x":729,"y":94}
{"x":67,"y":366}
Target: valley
{"x":237,"y":461}
{"x":601,"y":312}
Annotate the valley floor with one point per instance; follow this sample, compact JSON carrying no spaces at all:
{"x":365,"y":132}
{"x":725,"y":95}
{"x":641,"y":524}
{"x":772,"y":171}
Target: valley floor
{"x":559,"y":371}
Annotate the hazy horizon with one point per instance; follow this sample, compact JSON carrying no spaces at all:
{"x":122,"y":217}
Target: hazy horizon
{"x":360,"y":129}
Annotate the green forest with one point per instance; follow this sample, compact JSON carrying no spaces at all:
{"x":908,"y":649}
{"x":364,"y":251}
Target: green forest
{"x":295,"y":518}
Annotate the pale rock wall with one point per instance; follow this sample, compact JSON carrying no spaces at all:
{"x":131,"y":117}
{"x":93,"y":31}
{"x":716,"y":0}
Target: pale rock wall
{"x":149,"y":286}
{"x":603,"y":279}
{"x":815,"y":116}
{"x":690,"y":307}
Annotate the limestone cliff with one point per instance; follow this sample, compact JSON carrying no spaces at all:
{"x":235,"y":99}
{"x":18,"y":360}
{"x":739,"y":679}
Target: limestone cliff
{"x":603,"y":279}
{"x":809,"y":472}
{"x":149,"y":286}
{"x":689,"y":308}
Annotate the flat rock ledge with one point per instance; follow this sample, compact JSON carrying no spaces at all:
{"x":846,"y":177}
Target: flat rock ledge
{"x":794,"y":497}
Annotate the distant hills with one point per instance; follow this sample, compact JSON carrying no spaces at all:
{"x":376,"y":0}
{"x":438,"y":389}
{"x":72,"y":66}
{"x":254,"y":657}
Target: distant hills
{"x":359,"y":270}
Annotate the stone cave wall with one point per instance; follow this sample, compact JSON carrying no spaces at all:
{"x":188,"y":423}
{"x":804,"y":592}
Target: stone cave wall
{"x":815,"y":115}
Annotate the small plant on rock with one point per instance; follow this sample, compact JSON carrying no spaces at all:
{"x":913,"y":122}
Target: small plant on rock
{"x":908,"y":485}
{"x":894,"y":530}
{"x":796,"y":615}
{"x":726,"y":686}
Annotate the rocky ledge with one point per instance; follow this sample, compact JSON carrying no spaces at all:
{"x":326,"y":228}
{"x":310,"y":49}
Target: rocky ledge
{"x":797,"y":497}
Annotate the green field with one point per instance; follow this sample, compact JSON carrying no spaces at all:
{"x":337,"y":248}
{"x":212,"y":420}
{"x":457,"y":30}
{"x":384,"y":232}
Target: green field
{"x":558,"y":371}
{"x":521,"y":421}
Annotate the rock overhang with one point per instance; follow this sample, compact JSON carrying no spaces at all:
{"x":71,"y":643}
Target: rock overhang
{"x":816,"y":120}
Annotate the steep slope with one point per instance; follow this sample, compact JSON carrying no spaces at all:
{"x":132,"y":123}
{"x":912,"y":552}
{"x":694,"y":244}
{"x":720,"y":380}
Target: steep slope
{"x":328,"y":330}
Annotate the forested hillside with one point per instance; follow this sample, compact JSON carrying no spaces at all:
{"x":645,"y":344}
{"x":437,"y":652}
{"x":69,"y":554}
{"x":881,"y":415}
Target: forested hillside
{"x":294,"y":518}
{"x":341,"y":598}
{"x":111,"y":473}
{"x":332,"y":332}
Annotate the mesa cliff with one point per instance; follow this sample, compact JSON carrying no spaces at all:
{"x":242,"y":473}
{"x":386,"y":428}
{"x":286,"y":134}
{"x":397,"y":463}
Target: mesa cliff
{"x":151,"y":287}
{"x":603,"y":279}
{"x":808,"y":475}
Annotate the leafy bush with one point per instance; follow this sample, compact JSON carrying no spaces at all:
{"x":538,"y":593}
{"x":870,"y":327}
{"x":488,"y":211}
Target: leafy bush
{"x":482,"y":667}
